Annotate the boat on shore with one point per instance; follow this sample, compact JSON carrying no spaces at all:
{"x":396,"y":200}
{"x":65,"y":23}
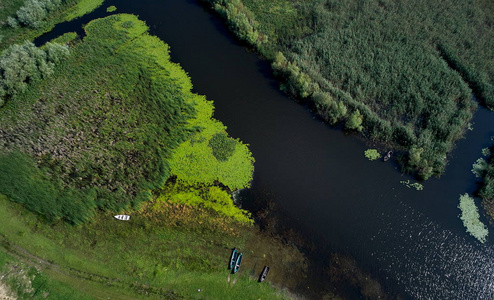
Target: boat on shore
{"x":233,"y":259}
{"x":264,"y":274}
{"x":238,"y":261}
{"x":122,"y":217}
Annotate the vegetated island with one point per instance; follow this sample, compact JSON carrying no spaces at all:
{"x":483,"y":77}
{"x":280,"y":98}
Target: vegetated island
{"x":401,"y":72}
{"x":104,"y":124}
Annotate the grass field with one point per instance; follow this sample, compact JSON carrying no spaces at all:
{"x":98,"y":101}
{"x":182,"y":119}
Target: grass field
{"x":164,"y":250}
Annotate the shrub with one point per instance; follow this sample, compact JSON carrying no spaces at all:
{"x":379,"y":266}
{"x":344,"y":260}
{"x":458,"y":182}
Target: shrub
{"x":223,"y":146}
{"x":12,"y":22}
{"x":355,"y":121}
{"x":479,"y":167}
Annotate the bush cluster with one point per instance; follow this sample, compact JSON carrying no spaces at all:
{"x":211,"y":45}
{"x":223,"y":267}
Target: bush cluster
{"x":222,"y":146}
{"x":33,"y":13}
{"x":26,"y":63}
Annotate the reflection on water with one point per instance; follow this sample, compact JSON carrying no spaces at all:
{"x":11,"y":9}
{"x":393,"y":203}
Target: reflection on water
{"x":431,"y":262}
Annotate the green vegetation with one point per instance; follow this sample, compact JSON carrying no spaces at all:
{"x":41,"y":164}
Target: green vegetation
{"x":27,"y":282}
{"x":113,"y":154}
{"x":478,"y":167}
{"x":166,"y":251}
{"x":470,"y":217}
{"x":484,"y":168}
{"x":144,"y":125}
{"x":33,"y":13}
{"x":415,"y":185}
{"x":401,"y":73}
{"x":211,"y":197}
{"x":81,"y":8}
{"x":66,"y":38}
{"x":26,"y":63}
{"x":372,"y":154}
{"x":209,"y":155}
{"x":115,"y":127}
{"x":111,"y":8}
{"x":37,"y":17}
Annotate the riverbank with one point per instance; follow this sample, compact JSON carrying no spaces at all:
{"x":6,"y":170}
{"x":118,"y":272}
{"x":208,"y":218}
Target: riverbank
{"x":411,"y":87}
{"x":164,"y":250}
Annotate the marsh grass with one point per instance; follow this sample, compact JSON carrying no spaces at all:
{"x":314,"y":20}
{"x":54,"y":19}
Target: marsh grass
{"x":401,"y":73}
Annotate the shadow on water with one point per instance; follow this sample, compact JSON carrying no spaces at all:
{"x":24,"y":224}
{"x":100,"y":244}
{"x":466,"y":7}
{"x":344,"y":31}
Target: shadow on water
{"x":317,"y":177}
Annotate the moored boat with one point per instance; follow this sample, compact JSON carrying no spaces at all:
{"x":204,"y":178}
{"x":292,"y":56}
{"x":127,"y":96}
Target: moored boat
{"x":388,"y":155}
{"x":122,"y":217}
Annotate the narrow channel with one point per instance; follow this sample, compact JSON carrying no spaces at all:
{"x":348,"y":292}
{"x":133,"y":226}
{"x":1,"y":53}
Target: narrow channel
{"x":318,"y":177}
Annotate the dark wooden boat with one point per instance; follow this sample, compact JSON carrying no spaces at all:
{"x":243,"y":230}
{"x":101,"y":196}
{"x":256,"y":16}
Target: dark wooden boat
{"x":238,"y":261}
{"x":388,"y":155}
{"x":233,"y":258}
{"x":264,"y":274}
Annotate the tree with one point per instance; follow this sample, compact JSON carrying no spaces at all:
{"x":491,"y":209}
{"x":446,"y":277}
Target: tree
{"x":32,"y":13}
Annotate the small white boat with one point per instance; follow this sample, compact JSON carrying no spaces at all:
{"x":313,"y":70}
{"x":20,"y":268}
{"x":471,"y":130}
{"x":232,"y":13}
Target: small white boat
{"x":122,"y":217}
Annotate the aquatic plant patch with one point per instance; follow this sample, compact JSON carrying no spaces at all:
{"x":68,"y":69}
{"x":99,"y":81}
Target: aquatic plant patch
{"x":372,"y":154}
{"x":470,"y":218}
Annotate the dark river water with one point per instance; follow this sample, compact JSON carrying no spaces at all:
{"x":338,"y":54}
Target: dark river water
{"x":412,"y":241}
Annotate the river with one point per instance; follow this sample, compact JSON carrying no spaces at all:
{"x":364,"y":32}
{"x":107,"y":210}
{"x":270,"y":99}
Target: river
{"x":411,"y":241}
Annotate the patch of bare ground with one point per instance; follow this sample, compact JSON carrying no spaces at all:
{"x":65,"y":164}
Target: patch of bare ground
{"x":5,"y":293}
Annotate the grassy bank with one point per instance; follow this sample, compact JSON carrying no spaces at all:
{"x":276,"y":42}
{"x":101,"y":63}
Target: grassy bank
{"x":165,"y":250}
{"x":402,"y":73}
